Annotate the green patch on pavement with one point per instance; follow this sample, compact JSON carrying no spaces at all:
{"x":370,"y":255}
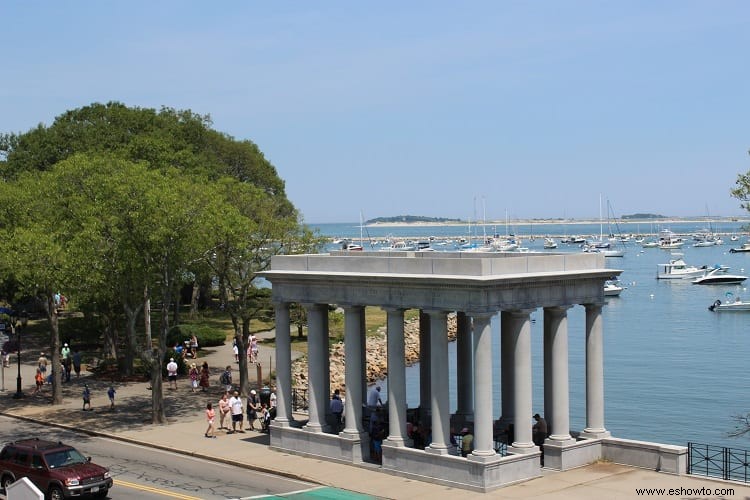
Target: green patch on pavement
{"x":326,"y":493}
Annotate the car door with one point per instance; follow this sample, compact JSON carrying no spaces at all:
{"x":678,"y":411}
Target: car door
{"x":38,"y":473}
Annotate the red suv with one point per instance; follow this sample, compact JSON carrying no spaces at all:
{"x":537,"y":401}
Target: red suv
{"x":58,"y":470}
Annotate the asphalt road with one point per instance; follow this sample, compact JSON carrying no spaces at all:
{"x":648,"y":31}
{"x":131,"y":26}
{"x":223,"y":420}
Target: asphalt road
{"x":145,"y":473}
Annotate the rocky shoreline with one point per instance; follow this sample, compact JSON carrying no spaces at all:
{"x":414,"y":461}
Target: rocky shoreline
{"x":377,"y":357}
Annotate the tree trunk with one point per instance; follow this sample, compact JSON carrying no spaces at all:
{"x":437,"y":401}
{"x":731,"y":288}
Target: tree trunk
{"x":131,"y":317}
{"x":158,"y":412}
{"x":194,"y":299}
{"x":147,"y":316}
{"x":57,"y":396}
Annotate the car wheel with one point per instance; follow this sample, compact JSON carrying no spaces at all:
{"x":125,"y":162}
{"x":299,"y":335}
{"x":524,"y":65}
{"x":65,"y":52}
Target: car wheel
{"x":101,"y":493}
{"x":6,"y":481}
{"x":55,"y":493}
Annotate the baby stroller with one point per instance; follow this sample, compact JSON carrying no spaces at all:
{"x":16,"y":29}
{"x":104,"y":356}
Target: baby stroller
{"x":187,"y":351}
{"x":265,"y":421}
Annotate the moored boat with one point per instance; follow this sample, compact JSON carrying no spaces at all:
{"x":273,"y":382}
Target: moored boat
{"x":744,"y":248}
{"x":736,"y":305}
{"x":719,"y":276}
{"x":613,"y":288}
{"x":678,"y":269}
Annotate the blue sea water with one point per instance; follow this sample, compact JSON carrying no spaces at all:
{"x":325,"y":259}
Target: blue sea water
{"x":674,"y":371}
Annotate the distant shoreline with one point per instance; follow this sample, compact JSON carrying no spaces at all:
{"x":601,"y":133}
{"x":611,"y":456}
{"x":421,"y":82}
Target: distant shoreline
{"x":543,"y":222}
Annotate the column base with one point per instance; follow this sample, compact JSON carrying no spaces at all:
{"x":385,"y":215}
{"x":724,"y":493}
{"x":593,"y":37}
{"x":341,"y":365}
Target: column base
{"x":523,"y":449}
{"x":281,"y":423}
{"x":437,"y":451}
{"x":595,"y":434}
{"x":394,"y":442}
{"x":484,"y":459}
{"x":316,"y":428}
{"x":559,"y":440}
{"x":352,"y":435}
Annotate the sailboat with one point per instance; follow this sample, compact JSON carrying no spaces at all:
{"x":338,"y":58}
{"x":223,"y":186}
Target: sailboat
{"x":353,"y":247}
{"x":614,"y":252}
{"x":601,"y":246}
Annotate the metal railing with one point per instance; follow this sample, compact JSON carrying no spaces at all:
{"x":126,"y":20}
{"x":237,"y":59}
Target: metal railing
{"x":500,"y":447}
{"x":299,"y":400}
{"x":718,"y":461}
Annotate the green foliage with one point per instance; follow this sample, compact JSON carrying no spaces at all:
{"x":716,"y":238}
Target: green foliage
{"x":207,"y":335}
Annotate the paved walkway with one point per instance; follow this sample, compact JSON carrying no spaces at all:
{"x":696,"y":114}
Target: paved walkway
{"x":130,"y":421}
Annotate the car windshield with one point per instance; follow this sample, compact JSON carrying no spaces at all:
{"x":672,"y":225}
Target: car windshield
{"x":64,"y":458}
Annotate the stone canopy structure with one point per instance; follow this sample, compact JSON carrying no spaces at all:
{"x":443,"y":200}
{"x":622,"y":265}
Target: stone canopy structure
{"x":476,"y":287}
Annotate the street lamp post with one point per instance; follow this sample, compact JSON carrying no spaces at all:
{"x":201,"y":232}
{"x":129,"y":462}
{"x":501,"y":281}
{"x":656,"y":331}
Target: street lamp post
{"x":24,"y":320}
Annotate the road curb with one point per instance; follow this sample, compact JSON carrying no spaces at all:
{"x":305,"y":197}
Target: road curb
{"x":189,"y":453}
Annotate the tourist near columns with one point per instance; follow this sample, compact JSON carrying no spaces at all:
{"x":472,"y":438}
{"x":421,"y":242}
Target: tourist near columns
{"x":476,"y":288}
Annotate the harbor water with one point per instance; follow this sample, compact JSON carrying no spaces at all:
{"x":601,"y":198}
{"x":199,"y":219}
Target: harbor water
{"x":674,"y":371}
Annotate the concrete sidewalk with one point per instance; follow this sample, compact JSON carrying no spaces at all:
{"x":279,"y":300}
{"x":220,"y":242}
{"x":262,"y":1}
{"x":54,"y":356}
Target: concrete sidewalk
{"x":130,"y":421}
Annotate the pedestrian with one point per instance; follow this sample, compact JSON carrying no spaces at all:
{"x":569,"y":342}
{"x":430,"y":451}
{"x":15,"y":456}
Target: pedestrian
{"x":111,"y":393}
{"x":194,"y":345}
{"x":39,"y":379}
{"x":235,"y":402}
{"x":539,"y":430}
{"x":86,"y":397}
{"x":224,"y":409}
{"x":253,"y":405}
{"x":6,"y":357}
{"x":265,"y":418}
{"x":193,"y":373}
{"x":226,"y":379}
{"x":77,"y":363}
{"x":204,"y":381}
{"x":172,"y":373}
{"x":337,"y":409}
{"x":210,"y":414}
{"x":236,"y":351}
{"x":42,"y":363}
{"x":467,"y":442}
{"x":373,"y":398}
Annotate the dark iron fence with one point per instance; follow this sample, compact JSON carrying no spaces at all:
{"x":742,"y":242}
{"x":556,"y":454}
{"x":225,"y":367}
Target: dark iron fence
{"x":299,"y":399}
{"x":500,"y":447}
{"x":718,"y":461}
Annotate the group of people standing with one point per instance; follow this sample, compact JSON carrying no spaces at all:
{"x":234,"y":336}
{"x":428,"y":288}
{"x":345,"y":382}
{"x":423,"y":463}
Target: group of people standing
{"x":252,"y":350}
{"x":69,"y":361}
{"x":233,"y":408}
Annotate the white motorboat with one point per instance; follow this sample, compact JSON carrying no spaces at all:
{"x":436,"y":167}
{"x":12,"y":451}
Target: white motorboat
{"x":649,"y":244}
{"x":677,"y":269}
{"x":736,"y":305}
{"x":719,"y":276}
{"x":744,"y":248}
{"x":398,"y":246}
{"x":613,"y":288}
{"x":549,"y":243}
{"x":611,"y":252}
{"x":668,"y":240}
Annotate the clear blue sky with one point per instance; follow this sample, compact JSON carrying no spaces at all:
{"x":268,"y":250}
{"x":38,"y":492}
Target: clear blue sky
{"x":421,"y":107}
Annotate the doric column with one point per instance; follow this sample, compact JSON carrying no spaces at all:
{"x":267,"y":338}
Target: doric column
{"x":506,"y":369}
{"x":425,"y":393}
{"x":439,"y":406}
{"x":465,"y":366}
{"x":594,"y":374}
{"x":556,"y":341}
{"x":283,"y":365}
{"x":396,"y":377}
{"x":363,"y":354}
{"x":353,"y":369}
{"x":483,"y":443}
{"x":317,"y":353}
{"x":520,"y":326}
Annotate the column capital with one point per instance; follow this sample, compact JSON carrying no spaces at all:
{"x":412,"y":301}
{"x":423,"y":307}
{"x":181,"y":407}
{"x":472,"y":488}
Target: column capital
{"x":481,"y":314}
{"x":558,"y":310}
{"x":393,"y":308}
{"x":519,"y":312}
{"x":594,"y":305}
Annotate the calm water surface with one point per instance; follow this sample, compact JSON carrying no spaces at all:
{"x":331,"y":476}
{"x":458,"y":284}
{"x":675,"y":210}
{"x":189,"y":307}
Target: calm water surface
{"x":674,"y":371}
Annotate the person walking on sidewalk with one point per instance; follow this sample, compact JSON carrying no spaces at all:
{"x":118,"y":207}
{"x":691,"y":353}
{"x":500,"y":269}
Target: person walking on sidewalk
{"x":235,"y":402}
{"x":253,"y":406}
{"x":224,"y":410}
{"x":172,"y":373}
{"x":204,"y":381}
{"x":111,"y":393}
{"x":226,"y":379}
{"x":193,"y":377}
{"x":86,"y":397}
{"x":210,"y":414}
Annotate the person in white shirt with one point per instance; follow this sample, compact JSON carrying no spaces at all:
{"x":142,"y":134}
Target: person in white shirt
{"x":235,"y":402}
{"x":172,"y":373}
{"x":373,"y":398}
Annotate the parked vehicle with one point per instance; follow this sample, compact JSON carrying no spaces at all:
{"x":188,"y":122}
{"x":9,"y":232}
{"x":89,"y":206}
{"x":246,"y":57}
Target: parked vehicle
{"x":58,"y":470}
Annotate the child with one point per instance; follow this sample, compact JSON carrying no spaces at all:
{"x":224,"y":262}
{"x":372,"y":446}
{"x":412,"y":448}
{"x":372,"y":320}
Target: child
{"x":39,"y":380}
{"x":111,"y":393}
{"x":210,"y":414}
{"x":193,"y":377}
{"x":86,"y":397}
